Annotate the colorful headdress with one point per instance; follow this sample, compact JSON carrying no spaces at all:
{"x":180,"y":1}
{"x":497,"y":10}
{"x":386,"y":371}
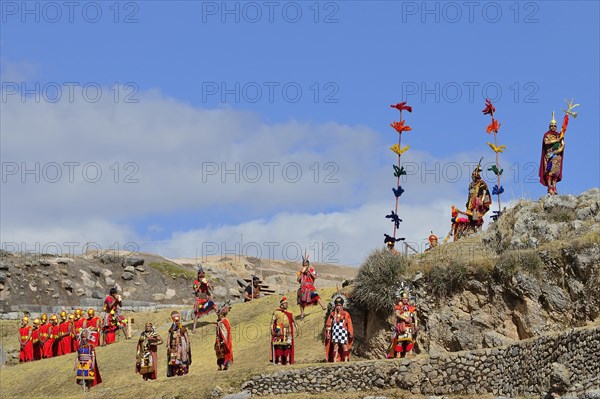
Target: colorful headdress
{"x":405,"y":289}
{"x":200,"y":269}
{"x":224,"y":309}
{"x":339,"y":298}
{"x":86,"y":333}
{"x":283,"y":300}
{"x":477,"y":170}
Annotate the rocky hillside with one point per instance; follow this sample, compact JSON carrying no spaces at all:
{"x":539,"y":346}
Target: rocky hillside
{"x":535,"y":271}
{"x":38,"y":282}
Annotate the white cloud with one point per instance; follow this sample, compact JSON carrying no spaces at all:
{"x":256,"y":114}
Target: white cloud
{"x":158,"y":157}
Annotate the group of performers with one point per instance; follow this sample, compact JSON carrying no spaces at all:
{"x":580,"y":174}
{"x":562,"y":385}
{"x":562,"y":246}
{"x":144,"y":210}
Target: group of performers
{"x":48,"y":338}
{"x":82,"y":335}
{"x":51,"y":337}
{"x":74,"y":333}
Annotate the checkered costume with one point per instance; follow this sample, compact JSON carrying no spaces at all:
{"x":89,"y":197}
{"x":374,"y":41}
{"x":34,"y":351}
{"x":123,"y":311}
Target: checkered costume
{"x":339,"y":333}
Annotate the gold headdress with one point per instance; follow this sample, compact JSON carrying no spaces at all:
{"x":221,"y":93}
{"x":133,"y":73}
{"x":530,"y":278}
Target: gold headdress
{"x":553,"y":121}
{"x":477,"y":169}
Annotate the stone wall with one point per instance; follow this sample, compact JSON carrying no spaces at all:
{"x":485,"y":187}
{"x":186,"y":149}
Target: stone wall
{"x":564,"y":363}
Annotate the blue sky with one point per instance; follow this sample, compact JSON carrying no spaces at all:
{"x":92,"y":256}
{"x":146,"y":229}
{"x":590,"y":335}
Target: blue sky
{"x":349,"y":59}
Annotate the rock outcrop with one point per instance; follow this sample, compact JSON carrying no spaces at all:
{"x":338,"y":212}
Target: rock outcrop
{"x":535,"y":271}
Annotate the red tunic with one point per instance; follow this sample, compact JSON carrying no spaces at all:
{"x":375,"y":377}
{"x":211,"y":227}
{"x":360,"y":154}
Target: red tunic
{"x":110,"y":329}
{"x":64,"y":343}
{"x":307,"y":293}
{"x":93,"y":324}
{"x":110,"y":303}
{"x":37,"y":348}
{"x":54,"y":331}
{"x":204,"y":304}
{"x":46,"y":343}
{"x":77,"y":326}
{"x":26,"y":354}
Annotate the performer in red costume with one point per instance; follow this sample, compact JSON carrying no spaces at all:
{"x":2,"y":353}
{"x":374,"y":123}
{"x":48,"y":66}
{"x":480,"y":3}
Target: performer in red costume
{"x":553,"y":151}
{"x":307,"y":293}
{"x":65,"y":329}
{"x":77,"y":327}
{"x":54,"y":334}
{"x":25,"y":342}
{"x":223,"y":342}
{"x":111,"y":317}
{"x":93,"y":323}
{"x":204,"y":303}
{"x":45,"y":343}
{"x":282,"y":335}
{"x":339,"y":333}
{"x":405,"y":329}
{"x":35,"y":340}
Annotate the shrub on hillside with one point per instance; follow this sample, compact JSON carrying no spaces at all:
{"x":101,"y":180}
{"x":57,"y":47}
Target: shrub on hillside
{"x":376,"y":283}
{"x":512,"y":261}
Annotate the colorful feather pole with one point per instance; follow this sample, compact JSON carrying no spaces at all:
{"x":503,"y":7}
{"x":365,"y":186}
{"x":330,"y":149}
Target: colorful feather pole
{"x":495,"y":127}
{"x":399,"y":171}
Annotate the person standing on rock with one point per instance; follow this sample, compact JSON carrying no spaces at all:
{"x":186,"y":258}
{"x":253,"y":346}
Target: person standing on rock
{"x":94,"y":325}
{"x":282,"y":335}
{"x":111,"y":317}
{"x":307,"y":293}
{"x":339,"y":333}
{"x":45,"y":343}
{"x":65,"y":329}
{"x":146,"y":360}
{"x":405,"y":329}
{"x":179,"y":352}
{"x":25,"y":342}
{"x":553,"y":151}
{"x":223,"y":342}
{"x":204,"y":303}
{"x":252,"y":291}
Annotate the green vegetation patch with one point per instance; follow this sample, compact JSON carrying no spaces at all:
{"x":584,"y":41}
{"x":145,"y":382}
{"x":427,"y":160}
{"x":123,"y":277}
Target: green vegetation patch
{"x":173,"y":270}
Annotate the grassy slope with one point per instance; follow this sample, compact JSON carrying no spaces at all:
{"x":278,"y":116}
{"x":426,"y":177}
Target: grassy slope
{"x":250,"y":323}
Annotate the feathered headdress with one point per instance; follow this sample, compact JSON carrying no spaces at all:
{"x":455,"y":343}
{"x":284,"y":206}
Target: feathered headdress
{"x":337,"y":297}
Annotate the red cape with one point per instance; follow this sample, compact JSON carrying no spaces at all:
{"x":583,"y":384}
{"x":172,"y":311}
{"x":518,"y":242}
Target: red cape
{"x":228,"y":341}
